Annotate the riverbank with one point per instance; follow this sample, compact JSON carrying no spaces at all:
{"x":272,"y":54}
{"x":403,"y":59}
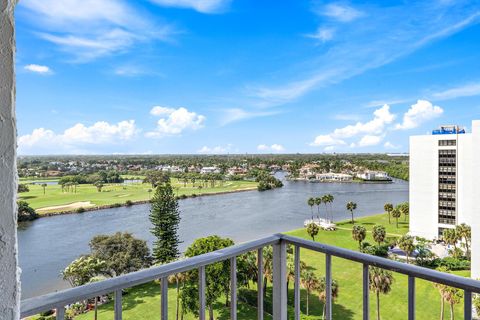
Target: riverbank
{"x":143,"y":300}
{"x":54,"y":200}
{"x":83,"y":209}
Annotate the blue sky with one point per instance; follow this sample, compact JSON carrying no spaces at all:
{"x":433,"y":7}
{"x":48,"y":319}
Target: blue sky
{"x":242,"y":76}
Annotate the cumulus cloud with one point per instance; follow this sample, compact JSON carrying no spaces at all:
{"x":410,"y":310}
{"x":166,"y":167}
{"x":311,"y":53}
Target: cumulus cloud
{"x":373,"y":128}
{"x":77,"y":137}
{"x":36,"y":68}
{"x":272,"y":148}
{"x":89,"y":29}
{"x":203,"y":6}
{"x":390,"y":145}
{"x":174,"y":121}
{"x":419,"y":113}
{"x":215,"y":150}
{"x":370,"y":140}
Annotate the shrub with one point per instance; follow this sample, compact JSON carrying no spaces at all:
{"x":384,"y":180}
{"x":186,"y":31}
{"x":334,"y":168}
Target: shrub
{"x":80,"y":210}
{"x":454,"y":264}
{"x":129,"y":203}
{"x":116,"y":205}
{"x":376,"y":250}
{"x":183,"y":196}
{"x":194,"y":195}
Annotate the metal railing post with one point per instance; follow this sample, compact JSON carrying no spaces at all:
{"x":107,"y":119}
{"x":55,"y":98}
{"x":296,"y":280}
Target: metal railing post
{"x":366,"y":300}
{"x":164,"y":298}
{"x":233,"y":288}
{"x":297,"y":283}
{"x":411,"y":298}
{"x":118,"y":305}
{"x":201,"y":293}
{"x":328,"y":286}
{"x":260,"y":284}
{"x":60,"y":313}
{"x":467,"y":305}
{"x":280,"y":281}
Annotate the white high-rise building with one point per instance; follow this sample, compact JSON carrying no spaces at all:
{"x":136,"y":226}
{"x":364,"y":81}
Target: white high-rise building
{"x":445,"y":184}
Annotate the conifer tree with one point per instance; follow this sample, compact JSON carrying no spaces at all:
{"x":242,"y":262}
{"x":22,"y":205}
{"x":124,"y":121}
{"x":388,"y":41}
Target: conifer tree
{"x":165,"y":218}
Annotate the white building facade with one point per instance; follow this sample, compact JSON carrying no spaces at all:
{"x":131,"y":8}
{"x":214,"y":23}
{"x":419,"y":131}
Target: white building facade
{"x":445,"y":184}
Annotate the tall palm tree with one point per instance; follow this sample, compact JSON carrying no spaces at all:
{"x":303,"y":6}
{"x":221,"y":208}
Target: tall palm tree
{"x":44,"y":185}
{"x":388,"y":207}
{"x":330,"y":198}
{"x":441,"y":290}
{"x":177,"y":278}
{"x":311,"y":203}
{"x":359,"y":234}
{"x":406,"y":244}
{"x":380,"y":282}
{"x":318,"y":202}
{"x":451,"y":237}
{"x":322,"y":293}
{"x":379,"y":233}
{"x":405,"y":209}
{"x":309,"y":282}
{"x":452,"y":296}
{"x":350,"y":207}
{"x":267,"y":267}
{"x":464,"y":231}
{"x":325,"y":200}
{"x":396,"y":213}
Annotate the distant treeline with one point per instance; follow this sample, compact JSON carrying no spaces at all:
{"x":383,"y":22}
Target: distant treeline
{"x":101,"y":176}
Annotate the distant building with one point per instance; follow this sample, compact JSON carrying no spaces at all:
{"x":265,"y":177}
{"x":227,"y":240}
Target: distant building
{"x":374,"y":176}
{"x":333,"y":177}
{"x":206,"y":170}
{"x":444,"y":184}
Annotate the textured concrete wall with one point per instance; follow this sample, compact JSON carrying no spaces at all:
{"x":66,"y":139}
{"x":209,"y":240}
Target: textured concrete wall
{"x":476,"y":196}
{"x":9,"y":272}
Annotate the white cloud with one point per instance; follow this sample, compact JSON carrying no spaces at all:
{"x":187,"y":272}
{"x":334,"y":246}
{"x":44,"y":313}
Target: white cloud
{"x":370,"y":140}
{"x":203,"y":6}
{"x":419,"y":113}
{"x":371,"y":130}
{"x":273,"y":148}
{"x":340,"y":12}
{"x":38,"y":68}
{"x":175,"y":121}
{"x":390,"y":145}
{"x":88,"y":29}
{"x":215,"y":150}
{"x":322,"y":34}
{"x":468,"y":90}
{"x":236,"y":114}
{"x":78,"y":136}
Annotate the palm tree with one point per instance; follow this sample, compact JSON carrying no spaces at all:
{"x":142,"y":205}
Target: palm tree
{"x":44,"y":185}
{"x":388,"y":207}
{"x":350,"y":207}
{"x":309,"y":282}
{"x":406,"y":244}
{"x":177,"y":279}
{"x":312,"y":230}
{"x":322,"y":293}
{"x":330,"y":201}
{"x":325,"y":200}
{"x":311,"y":203}
{"x":267,"y":267}
{"x":358,"y":234}
{"x":451,"y":237}
{"x":452,"y":296}
{"x":318,"y":202}
{"x":464,"y":231}
{"x":441,"y":290}
{"x":379,"y":233}
{"x":396,"y":213}
{"x":405,"y":209}
{"x":380,"y":282}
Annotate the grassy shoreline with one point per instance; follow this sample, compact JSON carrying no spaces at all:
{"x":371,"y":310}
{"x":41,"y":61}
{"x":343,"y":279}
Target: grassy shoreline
{"x":53,"y":200}
{"x":143,"y":301}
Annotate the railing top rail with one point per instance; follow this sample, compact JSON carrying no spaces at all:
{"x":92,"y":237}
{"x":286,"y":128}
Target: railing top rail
{"x":35,"y":305}
{"x":396,"y":266}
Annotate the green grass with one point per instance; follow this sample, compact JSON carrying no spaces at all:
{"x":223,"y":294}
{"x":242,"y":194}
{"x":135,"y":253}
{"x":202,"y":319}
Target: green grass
{"x":116,"y":193}
{"x":143,"y":302}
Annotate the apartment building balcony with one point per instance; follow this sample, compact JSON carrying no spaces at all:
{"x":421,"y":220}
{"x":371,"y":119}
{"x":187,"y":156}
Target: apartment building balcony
{"x":60,"y":300}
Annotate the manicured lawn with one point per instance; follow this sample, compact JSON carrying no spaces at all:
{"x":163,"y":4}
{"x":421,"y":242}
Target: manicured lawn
{"x":143,"y":302}
{"x":116,"y":193}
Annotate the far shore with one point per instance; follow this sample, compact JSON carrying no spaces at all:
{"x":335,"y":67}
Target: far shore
{"x":80,"y":210}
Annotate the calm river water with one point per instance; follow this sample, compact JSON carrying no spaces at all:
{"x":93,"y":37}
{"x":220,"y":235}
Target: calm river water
{"x":47,"y":245}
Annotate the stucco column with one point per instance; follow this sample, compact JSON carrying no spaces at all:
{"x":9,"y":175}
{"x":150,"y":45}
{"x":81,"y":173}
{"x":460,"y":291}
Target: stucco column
{"x":476,"y":195}
{"x":9,"y":271}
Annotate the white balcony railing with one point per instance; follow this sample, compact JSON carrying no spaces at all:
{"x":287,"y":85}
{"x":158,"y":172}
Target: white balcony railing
{"x":279,"y":242}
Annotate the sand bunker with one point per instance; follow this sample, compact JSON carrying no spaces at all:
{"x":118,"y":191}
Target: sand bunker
{"x":68,"y":207}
